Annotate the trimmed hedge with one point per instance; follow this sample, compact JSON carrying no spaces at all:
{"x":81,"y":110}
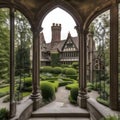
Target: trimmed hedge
{"x":70,"y":86}
{"x":73,"y":95}
{"x":4,"y":114}
{"x":70,"y":71}
{"x":57,"y":70}
{"x":63,"y":83}
{"x":47,"y":90}
{"x":46,"y":69}
{"x":27,"y":82}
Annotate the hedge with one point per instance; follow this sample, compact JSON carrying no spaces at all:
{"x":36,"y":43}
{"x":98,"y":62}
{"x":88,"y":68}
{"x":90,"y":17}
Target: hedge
{"x":73,"y":95}
{"x":47,"y":90}
{"x":4,"y":114}
{"x":46,"y":69}
{"x":70,"y":71}
{"x":57,"y":70}
{"x":70,"y":86}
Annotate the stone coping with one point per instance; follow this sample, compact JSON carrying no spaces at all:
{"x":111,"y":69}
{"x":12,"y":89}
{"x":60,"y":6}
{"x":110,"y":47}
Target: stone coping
{"x":103,"y":110}
{"x":22,"y":108}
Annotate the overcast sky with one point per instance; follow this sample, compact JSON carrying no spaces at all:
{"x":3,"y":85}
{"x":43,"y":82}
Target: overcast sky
{"x":61,"y":17}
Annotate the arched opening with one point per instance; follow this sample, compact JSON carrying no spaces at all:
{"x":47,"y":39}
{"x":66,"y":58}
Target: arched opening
{"x":15,"y":42}
{"x":59,"y":53}
{"x":98,"y":56}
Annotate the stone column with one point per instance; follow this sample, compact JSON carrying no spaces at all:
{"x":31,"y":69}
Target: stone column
{"x":82,"y":94}
{"x":12,"y":81}
{"x":91,"y":48}
{"x":36,"y":95}
{"x":114,"y":56}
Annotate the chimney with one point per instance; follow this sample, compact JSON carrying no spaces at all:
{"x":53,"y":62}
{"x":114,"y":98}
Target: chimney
{"x":56,"y":33}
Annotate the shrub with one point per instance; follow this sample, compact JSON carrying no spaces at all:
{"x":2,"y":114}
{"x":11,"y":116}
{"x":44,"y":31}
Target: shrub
{"x":57,"y":70}
{"x":70,"y":86}
{"x":3,"y":114}
{"x":70,"y":71}
{"x":75,"y":65}
{"x":3,"y":94}
{"x":27,"y":82}
{"x":47,"y":90}
{"x":102,"y":101}
{"x":56,"y":85}
{"x":63,"y":83}
{"x":89,"y":87}
{"x":111,"y":118}
{"x":46,"y":69}
{"x":72,"y":76}
{"x":73,"y":95}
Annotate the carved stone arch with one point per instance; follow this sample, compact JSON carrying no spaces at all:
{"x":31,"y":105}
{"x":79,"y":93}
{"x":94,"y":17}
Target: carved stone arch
{"x":21,"y":8}
{"x":99,"y":10}
{"x":61,"y":4}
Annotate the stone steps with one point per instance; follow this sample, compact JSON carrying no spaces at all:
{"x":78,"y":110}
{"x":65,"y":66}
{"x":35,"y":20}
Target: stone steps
{"x":59,"y":118}
{"x":75,"y":115}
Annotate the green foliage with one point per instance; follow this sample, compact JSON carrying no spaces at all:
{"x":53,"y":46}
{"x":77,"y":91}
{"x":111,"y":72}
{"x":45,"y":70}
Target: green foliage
{"x":47,"y":69}
{"x":57,"y":70}
{"x":75,"y":65}
{"x":70,"y":86}
{"x":55,"y":84}
{"x":4,"y":44}
{"x":114,"y":117}
{"x":73,"y":95}
{"x":102,"y":101}
{"x":4,"y":114}
{"x":55,"y":59}
{"x":47,"y":90}
{"x":63,"y":83}
{"x":70,"y":71}
{"x":23,"y":40}
{"x":27,"y":82}
{"x":89,"y":87}
{"x":22,"y":60}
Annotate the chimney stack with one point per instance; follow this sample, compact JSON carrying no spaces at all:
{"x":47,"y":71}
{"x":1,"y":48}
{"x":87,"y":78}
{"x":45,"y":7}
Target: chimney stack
{"x":56,"y":33}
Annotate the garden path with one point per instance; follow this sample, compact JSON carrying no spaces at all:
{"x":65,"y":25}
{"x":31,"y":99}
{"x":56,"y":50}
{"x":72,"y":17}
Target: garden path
{"x":60,"y":106}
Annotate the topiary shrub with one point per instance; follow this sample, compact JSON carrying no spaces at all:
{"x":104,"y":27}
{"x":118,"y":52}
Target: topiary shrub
{"x":57,"y":70}
{"x":3,"y":114}
{"x":73,"y":95}
{"x":47,"y":69}
{"x":71,"y":86}
{"x":70,"y":71}
{"x":47,"y":90}
{"x":75,"y":65}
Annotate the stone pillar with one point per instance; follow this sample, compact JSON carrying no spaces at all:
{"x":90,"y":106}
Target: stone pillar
{"x":82,"y":94}
{"x":12,"y":81}
{"x":114,"y":56}
{"x":91,"y":49}
{"x":36,"y":96}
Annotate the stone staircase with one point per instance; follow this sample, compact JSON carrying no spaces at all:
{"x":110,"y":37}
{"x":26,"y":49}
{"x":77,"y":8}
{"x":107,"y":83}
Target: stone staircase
{"x":60,"y":109}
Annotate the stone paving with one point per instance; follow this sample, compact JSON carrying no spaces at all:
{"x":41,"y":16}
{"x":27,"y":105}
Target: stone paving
{"x":60,"y":106}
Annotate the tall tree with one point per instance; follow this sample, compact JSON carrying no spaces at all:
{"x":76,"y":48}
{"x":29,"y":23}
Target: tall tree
{"x":23,"y":40}
{"x":4,"y":44}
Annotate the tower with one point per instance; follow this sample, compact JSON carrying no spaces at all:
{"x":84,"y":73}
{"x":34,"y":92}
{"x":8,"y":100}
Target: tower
{"x":56,"y":34}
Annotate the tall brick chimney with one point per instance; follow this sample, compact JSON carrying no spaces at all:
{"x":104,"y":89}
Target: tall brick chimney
{"x":56,"y":34}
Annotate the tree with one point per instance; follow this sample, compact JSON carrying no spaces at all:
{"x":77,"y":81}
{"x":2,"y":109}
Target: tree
{"x":23,"y":40}
{"x":4,"y":44}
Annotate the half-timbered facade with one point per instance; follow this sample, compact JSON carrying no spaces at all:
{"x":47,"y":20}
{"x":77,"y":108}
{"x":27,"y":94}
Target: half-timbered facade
{"x":67,"y":49}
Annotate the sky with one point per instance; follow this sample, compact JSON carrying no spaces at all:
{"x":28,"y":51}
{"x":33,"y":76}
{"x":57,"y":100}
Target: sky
{"x":61,"y":17}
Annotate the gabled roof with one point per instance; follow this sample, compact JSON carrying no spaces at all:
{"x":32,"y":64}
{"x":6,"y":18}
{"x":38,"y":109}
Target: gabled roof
{"x":61,"y":44}
{"x":42,"y":38}
{"x":73,"y":39}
